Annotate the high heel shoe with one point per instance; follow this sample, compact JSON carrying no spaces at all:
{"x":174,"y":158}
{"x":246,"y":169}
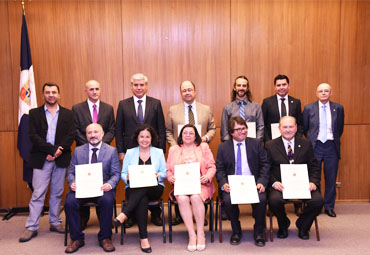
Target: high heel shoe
{"x":201,"y":247}
{"x":116,"y":222}
{"x":146,"y":250}
{"x":192,"y":247}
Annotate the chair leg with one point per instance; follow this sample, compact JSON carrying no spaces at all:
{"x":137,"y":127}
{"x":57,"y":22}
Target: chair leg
{"x":123,"y":229}
{"x":163,"y":222}
{"x":211,"y":222}
{"x":317,"y":230}
{"x":66,"y":233}
{"x":220,"y":222}
{"x":115,"y":214}
{"x":216,"y":215}
{"x":271,"y":229}
{"x":169,"y":221}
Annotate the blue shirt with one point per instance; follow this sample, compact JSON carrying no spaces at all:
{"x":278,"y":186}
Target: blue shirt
{"x":52,"y":124}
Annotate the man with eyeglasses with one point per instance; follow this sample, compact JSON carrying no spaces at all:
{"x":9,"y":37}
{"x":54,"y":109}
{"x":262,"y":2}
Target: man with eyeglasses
{"x":242,"y":155}
{"x":132,"y":112}
{"x":243,"y":106}
{"x":189,"y":112}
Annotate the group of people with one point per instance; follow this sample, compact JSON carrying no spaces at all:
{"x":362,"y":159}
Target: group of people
{"x":141,"y":133}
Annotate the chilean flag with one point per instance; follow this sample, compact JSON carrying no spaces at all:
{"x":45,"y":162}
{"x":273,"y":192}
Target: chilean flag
{"x":27,"y":101}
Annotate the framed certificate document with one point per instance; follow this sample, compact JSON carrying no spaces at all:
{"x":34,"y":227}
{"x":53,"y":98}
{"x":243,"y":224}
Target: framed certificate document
{"x":243,"y":189}
{"x":142,"y":176}
{"x":187,"y":179}
{"x":89,"y":180}
{"x":275,"y":132}
{"x":294,"y":178}
{"x":252,"y":129}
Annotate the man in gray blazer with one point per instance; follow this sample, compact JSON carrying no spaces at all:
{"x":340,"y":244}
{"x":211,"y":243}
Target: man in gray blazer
{"x":323,"y":123}
{"x":94,"y":152}
{"x":93,"y":111}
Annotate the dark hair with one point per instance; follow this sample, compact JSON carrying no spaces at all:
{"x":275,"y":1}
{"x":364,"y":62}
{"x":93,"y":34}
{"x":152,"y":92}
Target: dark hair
{"x":249,"y":93}
{"x":197,"y":141}
{"x":142,"y":128}
{"x":281,"y":77}
{"x":192,"y":83}
{"x":50,"y":84}
{"x":232,"y":121}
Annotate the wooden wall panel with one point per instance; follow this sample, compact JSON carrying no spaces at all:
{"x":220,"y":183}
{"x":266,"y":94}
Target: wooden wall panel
{"x":174,"y":41}
{"x":355,"y":61}
{"x":296,"y":38}
{"x":6,"y":98}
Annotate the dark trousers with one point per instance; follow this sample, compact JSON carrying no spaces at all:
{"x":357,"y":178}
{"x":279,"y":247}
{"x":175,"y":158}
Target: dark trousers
{"x":258,"y":213}
{"x":85,"y":214}
{"x":311,"y":210}
{"x":326,"y":153}
{"x":137,"y":204}
{"x":72,"y":206}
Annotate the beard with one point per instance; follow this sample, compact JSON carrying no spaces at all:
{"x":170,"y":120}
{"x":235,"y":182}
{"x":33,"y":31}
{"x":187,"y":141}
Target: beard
{"x":241,"y":93}
{"x":94,"y":141}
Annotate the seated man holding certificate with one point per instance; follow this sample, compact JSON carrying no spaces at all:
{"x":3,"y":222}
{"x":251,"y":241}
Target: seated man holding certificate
{"x":143,"y":171}
{"x":196,"y":159}
{"x":291,"y":149}
{"x":243,"y":156}
{"x":99,"y":160}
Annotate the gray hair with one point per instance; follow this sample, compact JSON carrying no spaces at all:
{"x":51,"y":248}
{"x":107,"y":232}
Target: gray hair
{"x":139,"y":76}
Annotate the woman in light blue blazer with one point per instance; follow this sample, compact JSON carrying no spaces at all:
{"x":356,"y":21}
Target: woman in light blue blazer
{"x":138,"y":198}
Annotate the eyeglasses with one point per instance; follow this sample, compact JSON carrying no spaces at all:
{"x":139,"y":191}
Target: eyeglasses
{"x":240,"y":129}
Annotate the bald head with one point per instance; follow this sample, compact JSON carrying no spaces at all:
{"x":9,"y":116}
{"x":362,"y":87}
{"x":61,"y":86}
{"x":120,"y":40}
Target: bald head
{"x":92,"y":90}
{"x":94,"y":134}
{"x":324,"y":92}
{"x":288,"y":127}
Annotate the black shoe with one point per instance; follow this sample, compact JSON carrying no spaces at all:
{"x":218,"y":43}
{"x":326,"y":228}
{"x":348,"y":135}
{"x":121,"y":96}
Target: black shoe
{"x":223,"y":214}
{"x":205,"y":222}
{"x":235,"y":239}
{"x":156,"y":221}
{"x":129,"y":222}
{"x":117,"y":223}
{"x":259,"y":240}
{"x":177,"y":220}
{"x":302,"y":234}
{"x":146,"y":250}
{"x":283,"y":232}
{"x":331,"y":213}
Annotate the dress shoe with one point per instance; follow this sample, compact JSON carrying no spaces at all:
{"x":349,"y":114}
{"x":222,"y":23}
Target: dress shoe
{"x":302,"y":234}
{"x":117,"y":223}
{"x":235,"y":239}
{"x":283,"y":232}
{"x":74,"y":246}
{"x":192,"y":247}
{"x":201,"y":247}
{"x":177,"y":220}
{"x":146,"y":250}
{"x":27,"y":235}
{"x":331,"y":213}
{"x":129,"y":222}
{"x":259,"y":240}
{"x":58,"y":229}
{"x":107,"y":245}
{"x":156,"y":221}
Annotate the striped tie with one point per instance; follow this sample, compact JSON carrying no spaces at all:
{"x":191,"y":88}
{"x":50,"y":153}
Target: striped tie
{"x":242,"y":110}
{"x":191,"y":116}
{"x":290,"y":153}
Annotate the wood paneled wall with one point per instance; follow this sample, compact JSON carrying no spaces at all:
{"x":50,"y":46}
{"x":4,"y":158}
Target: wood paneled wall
{"x":208,"y":42}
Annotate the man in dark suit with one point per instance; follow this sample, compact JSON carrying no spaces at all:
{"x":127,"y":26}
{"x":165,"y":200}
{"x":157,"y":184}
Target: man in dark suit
{"x":134,"y":111}
{"x":251,"y":160}
{"x":94,"y":152}
{"x":291,"y":149}
{"x":93,"y":111}
{"x":323,"y":123}
{"x":280,"y":105}
{"x":51,"y":131}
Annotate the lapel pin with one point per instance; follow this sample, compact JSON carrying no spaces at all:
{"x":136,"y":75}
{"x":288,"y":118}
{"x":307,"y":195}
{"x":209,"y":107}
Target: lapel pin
{"x":333,"y":110}
{"x":291,"y":101}
{"x":299,"y":145}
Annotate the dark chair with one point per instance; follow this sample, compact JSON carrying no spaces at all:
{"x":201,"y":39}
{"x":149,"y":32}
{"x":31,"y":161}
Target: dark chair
{"x":208,"y":202}
{"x":303,"y":205}
{"x":218,"y":220}
{"x":89,"y":204}
{"x":154,"y":203}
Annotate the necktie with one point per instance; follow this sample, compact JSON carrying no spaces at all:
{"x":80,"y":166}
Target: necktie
{"x":323,"y":124}
{"x":94,"y":157}
{"x":191,"y":116}
{"x":95,"y":114}
{"x":242,"y":110}
{"x":290,"y":153}
{"x":283,"y":107}
{"x":239,"y":161}
{"x":140,"y":117}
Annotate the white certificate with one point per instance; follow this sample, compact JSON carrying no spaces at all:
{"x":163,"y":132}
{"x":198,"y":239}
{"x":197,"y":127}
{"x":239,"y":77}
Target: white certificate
{"x":198,"y":127}
{"x":142,"y":176}
{"x":89,"y":180}
{"x":251,"y":129}
{"x":243,"y":189}
{"x":187,"y":179}
{"x":294,"y":178}
{"x":275,"y":132}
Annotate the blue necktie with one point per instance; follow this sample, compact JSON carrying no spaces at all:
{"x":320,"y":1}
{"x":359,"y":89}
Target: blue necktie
{"x":239,"y":161}
{"x":242,"y":110}
{"x":323,"y":125}
{"x":290,"y":153}
{"x":140,"y":117}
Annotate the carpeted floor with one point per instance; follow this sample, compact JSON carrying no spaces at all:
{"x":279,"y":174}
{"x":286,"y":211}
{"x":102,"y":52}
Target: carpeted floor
{"x":348,"y":233}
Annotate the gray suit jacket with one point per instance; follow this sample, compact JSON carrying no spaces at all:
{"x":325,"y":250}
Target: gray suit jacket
{"x":107,"y":155}
{"x":176,"y":116}
{"x":311,"y":122}
{"x":83,"y":119}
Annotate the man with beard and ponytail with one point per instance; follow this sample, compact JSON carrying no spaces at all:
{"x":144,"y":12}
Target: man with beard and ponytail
{"x":243,"y":106}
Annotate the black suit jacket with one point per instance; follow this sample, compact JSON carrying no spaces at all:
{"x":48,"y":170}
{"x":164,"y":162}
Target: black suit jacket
{"x":257,"y":161}
{"x":83,"y":119}
{"x":127,"y":123}
{"x":303,"y":154}
{"x":271,"y":114}
{"x":64,"y":136}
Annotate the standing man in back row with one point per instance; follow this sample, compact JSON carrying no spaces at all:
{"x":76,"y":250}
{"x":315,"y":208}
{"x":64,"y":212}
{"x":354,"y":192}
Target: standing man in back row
{"x":93,"y":110}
